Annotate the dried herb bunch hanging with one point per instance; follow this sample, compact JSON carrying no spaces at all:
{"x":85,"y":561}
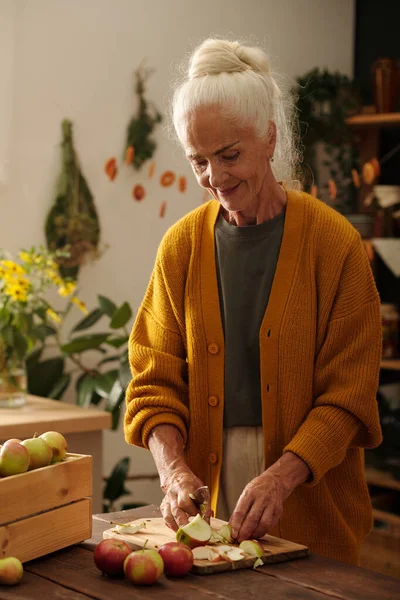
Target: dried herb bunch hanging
{"x":142,"y":125}
{"x":72,"y":221}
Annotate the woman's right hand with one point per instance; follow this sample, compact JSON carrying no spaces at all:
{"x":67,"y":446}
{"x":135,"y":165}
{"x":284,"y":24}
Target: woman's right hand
{"x":177,"y":505}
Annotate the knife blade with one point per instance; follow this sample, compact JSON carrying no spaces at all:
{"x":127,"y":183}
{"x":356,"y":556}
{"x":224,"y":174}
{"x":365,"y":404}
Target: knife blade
{"x":201,"y":498}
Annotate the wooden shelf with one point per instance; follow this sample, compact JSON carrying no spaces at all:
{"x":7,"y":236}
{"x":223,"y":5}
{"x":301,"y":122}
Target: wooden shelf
{"x":381,"y":479}
{"x":391,"y":364}
{"x":375,"y":120}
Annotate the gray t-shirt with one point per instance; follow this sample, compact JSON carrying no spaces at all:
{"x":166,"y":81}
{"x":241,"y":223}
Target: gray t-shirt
{"x":246,"y":261}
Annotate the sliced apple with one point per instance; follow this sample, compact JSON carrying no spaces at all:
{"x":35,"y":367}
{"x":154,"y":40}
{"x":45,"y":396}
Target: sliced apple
{"x":258,"y":563}
{"x":252,"y":547}
{"x":223,"y":535}
{"x":233,"y":555}
{"x":130,"y":529}
{"x":206,"y":553}
{"x":194,"y":534}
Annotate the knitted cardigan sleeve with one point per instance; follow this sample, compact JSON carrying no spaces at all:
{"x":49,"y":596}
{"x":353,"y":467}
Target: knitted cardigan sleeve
{"x":346,"y":373}
{"x":158,"y":391}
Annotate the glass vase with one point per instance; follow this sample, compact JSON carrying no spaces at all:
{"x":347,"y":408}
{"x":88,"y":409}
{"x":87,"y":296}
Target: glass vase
{"x":13,"y":385}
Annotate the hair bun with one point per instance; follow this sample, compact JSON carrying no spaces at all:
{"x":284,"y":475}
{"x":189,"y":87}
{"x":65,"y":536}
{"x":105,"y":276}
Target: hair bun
{"x":215,"y":56}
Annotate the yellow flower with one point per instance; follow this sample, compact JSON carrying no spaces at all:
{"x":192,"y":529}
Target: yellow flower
{"x":81,"y":305}
{"x":26,"y":257}
{"x":16,"y":292}
{"x":12,"y":267}
{"x":54,"y":277}
{"x":22,"y":282}
{"x":67,"y":288}
{"x":53,"y":315}
{"x":3,"y":272}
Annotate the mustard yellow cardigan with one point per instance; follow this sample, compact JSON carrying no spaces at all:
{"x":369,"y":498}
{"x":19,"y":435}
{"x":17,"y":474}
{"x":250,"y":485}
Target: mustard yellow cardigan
{"x":320,"y":350}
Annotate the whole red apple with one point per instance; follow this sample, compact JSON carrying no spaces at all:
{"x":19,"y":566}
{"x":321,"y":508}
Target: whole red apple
{"x":177,"y":557}
{"x":143,"y":567}
{"x":109,"y":556}
{"x":14,"y":459}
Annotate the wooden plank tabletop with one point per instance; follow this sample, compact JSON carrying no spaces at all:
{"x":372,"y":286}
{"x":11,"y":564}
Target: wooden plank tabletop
{"x":70,"y":574}
{"x":42,"y":414}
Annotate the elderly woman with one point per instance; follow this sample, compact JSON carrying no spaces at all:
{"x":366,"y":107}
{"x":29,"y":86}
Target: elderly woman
{"x":255,"y":353}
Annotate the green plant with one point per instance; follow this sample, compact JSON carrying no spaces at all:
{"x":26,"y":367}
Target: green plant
{"x":26,"y":316}
{"x":72,"y":221}
{"x":98,"y":382}
{"x":324,"y":101}
{"x":141,"y":126}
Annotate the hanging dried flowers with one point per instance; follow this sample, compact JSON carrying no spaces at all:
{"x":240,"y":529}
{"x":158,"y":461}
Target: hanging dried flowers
{"x":129,"y":155}
{"x":72,"y":222}
{"x":152,"y":168}
{"x":141,"y":126}
{"x":163,"y":207}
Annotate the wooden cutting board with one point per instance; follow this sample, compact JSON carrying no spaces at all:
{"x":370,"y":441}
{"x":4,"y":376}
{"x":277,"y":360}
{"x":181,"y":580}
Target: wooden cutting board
{"x":157,"y":533}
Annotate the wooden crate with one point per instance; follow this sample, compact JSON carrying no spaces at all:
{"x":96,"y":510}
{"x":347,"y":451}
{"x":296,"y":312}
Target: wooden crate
{"x":46,"y":509}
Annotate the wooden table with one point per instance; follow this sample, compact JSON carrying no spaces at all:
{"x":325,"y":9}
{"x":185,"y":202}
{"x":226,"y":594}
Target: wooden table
{"x":70,"y":574}
{"x":82,"y":428}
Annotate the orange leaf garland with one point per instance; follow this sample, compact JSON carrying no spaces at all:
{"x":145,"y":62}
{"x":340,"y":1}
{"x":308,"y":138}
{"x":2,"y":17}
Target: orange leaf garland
{"x":376,"y":166}
{"x":110,"y":168}
{"x":163,"y":206}
{"x":138,"y":192}
{"x":167,"y":178}
{"x":152,"y":167}
{"x":332,"y":189}
{"x":368,"y":173}
{"x":182,"y":184}
{"x":129,"y":155}
{"x":356,"y":178}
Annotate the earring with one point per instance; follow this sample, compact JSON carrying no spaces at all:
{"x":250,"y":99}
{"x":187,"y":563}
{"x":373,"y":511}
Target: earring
{"x":271,"y":159}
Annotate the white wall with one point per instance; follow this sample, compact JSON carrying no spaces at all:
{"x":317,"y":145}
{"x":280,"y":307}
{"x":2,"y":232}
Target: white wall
{"x":75,"y":59}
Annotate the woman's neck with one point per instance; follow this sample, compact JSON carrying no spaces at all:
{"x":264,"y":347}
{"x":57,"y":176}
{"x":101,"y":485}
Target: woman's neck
{"x":267,"y":208}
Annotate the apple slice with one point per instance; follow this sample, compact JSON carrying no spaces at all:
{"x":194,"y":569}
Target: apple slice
{"x":259,"y":563}
{"x":194,"y":534}
{"x":131,"y":529}
{"x":252,"y":547}
{"x":223,"y":535}
{"x":206,"y":553}
{"x":233,"y":555}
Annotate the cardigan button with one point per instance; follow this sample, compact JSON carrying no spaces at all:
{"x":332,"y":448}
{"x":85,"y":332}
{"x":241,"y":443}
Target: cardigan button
{"x":213,"y":458}
{"x":213,"y":400}
{"x":213,"y":348}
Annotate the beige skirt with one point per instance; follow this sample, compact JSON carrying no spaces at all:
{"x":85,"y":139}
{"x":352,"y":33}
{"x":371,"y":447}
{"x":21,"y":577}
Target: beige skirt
{"x":243,"y":460}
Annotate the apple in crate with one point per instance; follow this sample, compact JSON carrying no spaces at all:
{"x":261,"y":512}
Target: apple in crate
{"x":11,"y":570}
{"x":109,"y":556}
{"x":196,"y":533}
{"x":57,"y":443}
{"x":143,"y":567}
{"x":39,"y":451}
{"x":177,"y":557}
{"x":14,"y":459}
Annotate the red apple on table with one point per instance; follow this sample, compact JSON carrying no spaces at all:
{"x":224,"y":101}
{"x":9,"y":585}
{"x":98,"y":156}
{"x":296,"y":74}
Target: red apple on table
{"x":57,"y":443}
{"x":143,"y":567}
{"x":11,"y":570}
{"x":14,"y":459}
{"x":109,"y":556}
{"x":177,"y":557}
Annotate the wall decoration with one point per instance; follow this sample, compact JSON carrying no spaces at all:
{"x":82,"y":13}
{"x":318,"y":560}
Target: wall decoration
{"x":111,"y":168}
{"x":182,"y":184}
{"x":167,"y":178}
{"x":142,"y":125}
{"x":129,"y":155}
{"x":152,"y":168}
{"x":163,"y":207}
{"x":72,"y":222}
{"x":138,"y":192}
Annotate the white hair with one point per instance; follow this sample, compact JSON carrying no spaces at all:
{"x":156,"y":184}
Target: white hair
{"x":238,"y":78}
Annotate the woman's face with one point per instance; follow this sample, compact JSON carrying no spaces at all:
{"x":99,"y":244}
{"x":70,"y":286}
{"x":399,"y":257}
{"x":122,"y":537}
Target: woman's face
{"x":228,"y":159}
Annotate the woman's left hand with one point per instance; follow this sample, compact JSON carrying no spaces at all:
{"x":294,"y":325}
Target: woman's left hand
{"x":261,"y":503}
